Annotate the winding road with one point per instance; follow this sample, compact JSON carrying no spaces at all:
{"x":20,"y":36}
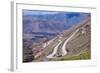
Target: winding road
{"x":64,"y":51}
{"x":55,"y":50}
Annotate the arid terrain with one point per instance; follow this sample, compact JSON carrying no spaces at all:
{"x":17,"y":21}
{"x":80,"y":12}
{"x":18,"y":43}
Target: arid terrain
{"x":73,"y":43}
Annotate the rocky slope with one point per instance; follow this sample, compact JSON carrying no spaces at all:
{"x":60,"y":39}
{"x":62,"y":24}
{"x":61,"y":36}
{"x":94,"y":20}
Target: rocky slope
{"x":77,"y":47}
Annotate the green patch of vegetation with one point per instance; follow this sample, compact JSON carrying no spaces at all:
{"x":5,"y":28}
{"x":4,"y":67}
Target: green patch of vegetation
{"x":50,"y":49}
{"x":82,"y":56}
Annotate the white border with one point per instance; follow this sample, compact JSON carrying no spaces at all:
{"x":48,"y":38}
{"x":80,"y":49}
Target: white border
{"x":17,"y":34}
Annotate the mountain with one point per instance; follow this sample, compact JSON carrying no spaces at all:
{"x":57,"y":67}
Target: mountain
{"x":51,"y":23}
{"x":78,"y":47}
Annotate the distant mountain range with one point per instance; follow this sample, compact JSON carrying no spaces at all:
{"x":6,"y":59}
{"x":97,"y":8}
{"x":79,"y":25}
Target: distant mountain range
{"x":51,"y":23}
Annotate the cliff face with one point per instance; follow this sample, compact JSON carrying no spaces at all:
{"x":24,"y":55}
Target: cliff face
{"x":51,"y":23}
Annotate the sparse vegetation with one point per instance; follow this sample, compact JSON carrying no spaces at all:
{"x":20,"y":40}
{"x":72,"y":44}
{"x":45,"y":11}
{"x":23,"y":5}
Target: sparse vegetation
{"x":82,"y":56}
